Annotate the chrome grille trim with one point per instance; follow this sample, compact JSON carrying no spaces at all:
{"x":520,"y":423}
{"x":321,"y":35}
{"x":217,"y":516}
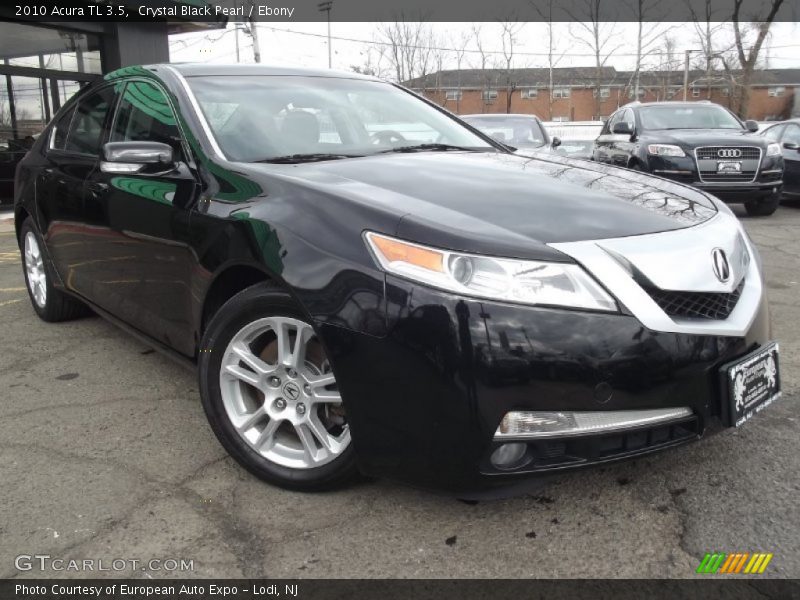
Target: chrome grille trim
{"x":710,"y":153}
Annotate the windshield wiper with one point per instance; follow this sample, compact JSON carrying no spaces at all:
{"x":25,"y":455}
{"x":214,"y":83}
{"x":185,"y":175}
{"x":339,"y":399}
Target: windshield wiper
{"x":299,"y":158}
{"x":432,"y":147}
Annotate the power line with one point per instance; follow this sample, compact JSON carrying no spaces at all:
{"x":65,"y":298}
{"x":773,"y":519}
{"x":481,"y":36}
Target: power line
{"x":469,"y":50}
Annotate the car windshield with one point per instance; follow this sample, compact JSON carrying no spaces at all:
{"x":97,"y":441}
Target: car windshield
{"x":687,"y":117}
{"x":258,"y":118}
{"x":516,"y":131}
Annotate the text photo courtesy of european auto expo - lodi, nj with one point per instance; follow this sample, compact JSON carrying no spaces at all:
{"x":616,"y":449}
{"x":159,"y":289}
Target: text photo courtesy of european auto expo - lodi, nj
{"x":315,"y":292}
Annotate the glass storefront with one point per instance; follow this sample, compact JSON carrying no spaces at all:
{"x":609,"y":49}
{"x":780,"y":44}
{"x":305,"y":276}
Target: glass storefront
{"x":40,"y":69}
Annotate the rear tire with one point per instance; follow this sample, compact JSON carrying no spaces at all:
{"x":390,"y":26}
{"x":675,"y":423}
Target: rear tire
{"x":50,"y":303}
{"x":763,"y":207}
{"x":266,"y":387}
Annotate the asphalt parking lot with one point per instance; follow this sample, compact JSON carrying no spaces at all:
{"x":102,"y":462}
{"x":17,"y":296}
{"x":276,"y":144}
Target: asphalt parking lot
{"x":105,"y":454}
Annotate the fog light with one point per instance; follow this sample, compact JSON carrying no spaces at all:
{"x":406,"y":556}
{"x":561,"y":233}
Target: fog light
{"x":508,"y":456}
{"x":535,"y":424}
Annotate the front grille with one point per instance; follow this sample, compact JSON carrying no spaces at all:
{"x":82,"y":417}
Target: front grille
{"x":708,"y":159}
{"x":696,"y":305}
{"x":711,"y":153}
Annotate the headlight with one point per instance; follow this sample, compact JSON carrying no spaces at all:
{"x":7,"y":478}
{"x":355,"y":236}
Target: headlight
{"x":522,"y":281}
{"x":665,"y":150}
{"x":774,"y":149}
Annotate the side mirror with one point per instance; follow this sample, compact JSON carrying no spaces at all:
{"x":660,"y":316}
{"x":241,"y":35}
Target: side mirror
{"x":555,"y":142}
{"x":791,"y":146}
{"x":622,"y":128}
{"x":751,"y":126}
{"x":134,"y":157}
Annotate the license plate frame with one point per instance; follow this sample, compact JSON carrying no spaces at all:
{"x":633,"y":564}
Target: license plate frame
{"x":749,"y":384}
{"x":725,"y":167}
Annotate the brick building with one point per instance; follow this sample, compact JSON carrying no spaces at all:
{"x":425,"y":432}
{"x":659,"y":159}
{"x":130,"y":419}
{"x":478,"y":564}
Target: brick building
{"x":574,"y":94}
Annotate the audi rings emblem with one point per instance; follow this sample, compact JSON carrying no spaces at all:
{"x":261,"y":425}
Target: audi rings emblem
{"x":729,"y":153}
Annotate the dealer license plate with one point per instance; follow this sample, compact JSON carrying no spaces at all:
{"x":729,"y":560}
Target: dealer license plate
{"x":729,"y":167}
{"x":750,"y":384}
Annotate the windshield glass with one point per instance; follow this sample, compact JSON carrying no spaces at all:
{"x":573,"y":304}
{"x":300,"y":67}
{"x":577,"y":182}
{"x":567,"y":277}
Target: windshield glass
{"x":687,"y":117}
{"x":516,"y":131}
{"x":261,"y":118}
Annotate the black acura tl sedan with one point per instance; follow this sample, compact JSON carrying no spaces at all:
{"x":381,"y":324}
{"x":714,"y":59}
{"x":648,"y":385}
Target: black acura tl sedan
{"x":369,"y":285}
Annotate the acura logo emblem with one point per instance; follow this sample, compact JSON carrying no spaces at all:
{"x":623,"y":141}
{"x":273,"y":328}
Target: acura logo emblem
{"x":722,"y":268}
{"x":729,"y":153}
{"x":291,"y":391}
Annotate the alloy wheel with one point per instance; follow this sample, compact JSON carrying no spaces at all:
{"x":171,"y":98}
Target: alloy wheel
{"x":280,"y":394}
{"x":34,"y":270}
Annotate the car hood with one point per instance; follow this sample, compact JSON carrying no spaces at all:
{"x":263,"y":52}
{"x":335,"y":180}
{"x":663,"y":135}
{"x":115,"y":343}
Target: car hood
{"x":502,"y":203}
{"x":706,"y":137}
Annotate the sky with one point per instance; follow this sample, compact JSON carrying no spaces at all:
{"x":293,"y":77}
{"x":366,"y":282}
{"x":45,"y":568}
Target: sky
{"x":306,"y":44}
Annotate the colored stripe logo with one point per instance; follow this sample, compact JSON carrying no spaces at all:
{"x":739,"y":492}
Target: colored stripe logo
{"x":737,"y":562}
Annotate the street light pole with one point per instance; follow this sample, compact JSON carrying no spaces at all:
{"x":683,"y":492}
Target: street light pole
{"x":326,"y":7}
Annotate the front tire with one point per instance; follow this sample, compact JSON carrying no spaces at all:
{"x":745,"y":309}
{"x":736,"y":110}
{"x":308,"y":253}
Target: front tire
{"x":50,"y":303}
{"x":763,"y":207}
{"x":270,"y":395}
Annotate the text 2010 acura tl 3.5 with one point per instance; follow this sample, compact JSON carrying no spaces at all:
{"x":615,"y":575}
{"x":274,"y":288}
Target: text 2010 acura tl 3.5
{"x":369,"y":285}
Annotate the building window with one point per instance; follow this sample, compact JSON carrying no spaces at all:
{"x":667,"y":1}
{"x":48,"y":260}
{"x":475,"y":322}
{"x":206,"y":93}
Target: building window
{"x":561,"y":92}
{"x":632,"y":93}
{"x":489,"y":95}
{"x":695,"y":92}
{"x":452,"y":95}
{"x":726,"y":92}
{"x":560,"y":119}
{"x":529,"y":93}
{"x":599,"y":118}
{"x":604,"y":92}
{"x":777,"y":91}
{"x":671,"y":93}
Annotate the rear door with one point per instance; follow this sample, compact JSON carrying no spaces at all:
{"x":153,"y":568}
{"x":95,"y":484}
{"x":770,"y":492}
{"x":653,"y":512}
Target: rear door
{"x":791,"y":159}
{"x":146,"y":216}
{"x":72,"y":153}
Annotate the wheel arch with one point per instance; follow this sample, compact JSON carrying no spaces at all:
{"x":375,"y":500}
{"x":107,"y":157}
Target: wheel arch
{"x":20,"y":214}
{"x":228,"y":282}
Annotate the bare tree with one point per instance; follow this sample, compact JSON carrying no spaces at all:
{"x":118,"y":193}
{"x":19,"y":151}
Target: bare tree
{"x":486,"y":64}
{"x":553,"y":56}
{"x":749,"y":38}
{"x":649,"y":31}
{"x":595,"y":30}
{"x":710,"y":34}
{"x":460,"y":44}
{"x":410,"y":48}
{"x":510,"y":31}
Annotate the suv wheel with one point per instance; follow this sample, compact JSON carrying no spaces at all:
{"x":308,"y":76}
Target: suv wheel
{"x":50,"y":304}
{"x":270,"y":394}
{"x":764,"y":207}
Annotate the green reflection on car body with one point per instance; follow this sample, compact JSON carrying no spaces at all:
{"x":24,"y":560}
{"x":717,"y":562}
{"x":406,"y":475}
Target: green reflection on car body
{"x":150,"y":189}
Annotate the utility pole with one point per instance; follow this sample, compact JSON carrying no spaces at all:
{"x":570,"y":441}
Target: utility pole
{"x":687,"y":53}
{"x":326,"y":8}
{"x":236,"y":35}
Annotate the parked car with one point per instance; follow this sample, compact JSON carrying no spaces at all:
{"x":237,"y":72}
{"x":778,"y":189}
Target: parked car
{"x":787,"y":134}
{"x":336,"y":292}
{"x":577,"y":137}
{"x":525,"y":133}
{"x":698,"y":143}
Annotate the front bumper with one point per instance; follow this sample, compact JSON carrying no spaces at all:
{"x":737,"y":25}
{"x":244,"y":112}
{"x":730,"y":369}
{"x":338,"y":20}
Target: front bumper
{"x":423,"y":410}
{"x":768,"y":180}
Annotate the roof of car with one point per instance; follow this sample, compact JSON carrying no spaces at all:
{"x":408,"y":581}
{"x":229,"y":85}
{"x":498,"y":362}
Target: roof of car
{"x":207,"y":69}
{"x":500,"y":116}
{"x":672,"y":103}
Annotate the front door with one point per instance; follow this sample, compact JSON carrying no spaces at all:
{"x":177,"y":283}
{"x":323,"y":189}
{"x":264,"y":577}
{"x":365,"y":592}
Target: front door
{"x":148,"y":214}
{"x":791,"y":160}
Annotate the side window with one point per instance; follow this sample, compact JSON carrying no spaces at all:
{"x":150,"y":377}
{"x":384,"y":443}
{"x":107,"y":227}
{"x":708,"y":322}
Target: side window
{"x":627,"y":117}
{"x":86,"y":134}
{"x":792,"y":135}
{"x":612,"y":121}
{"x":145,"y":115}
{"x":773,"y":134}
{"x":58,"y":137}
